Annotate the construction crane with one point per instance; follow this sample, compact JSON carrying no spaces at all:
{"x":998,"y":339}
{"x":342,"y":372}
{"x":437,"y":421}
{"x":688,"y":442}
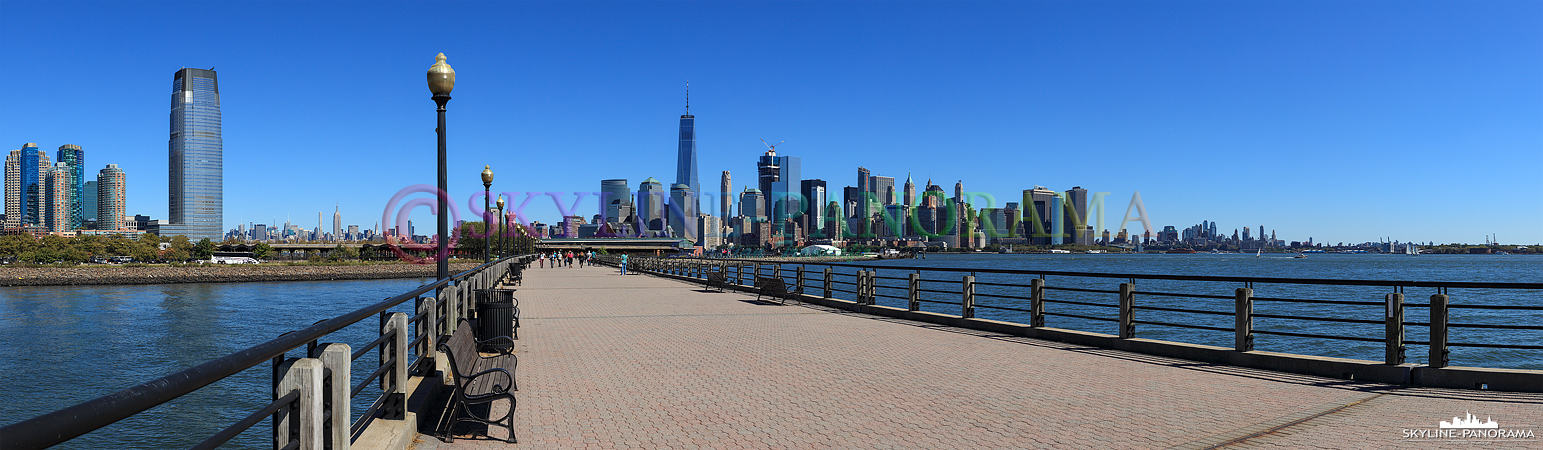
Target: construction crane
{"x":771,"y":147}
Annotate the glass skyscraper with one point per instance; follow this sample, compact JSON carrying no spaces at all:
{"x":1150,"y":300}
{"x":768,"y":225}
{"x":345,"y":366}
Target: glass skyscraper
{"x":685,"y":165}
{"x":75,"y":161}
{"x":196,"y":192}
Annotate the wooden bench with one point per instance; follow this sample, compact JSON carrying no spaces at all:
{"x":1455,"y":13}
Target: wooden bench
{"x":776,"y":288}
{"x":479,"y":379}
{"x":716,"y":279}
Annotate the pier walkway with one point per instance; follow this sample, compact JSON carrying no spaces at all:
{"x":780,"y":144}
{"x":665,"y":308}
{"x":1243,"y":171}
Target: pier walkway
{"x":638,"y":361}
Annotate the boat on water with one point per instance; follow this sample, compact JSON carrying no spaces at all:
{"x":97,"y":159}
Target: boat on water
{"x":1181,"y":251}
{"x":1259,"y":253}
{"x":1410,"y":249}
{"x":1299,"y":255}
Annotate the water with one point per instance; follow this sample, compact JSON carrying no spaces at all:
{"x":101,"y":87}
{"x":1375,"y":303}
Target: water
{"x":68,"y":344}
{"x":1483,"y":268}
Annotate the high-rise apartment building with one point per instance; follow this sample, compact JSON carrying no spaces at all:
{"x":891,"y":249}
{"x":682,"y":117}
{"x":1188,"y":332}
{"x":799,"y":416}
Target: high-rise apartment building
{"x":111,"y":190}
{"x":685,"y":164}
{"x":815,"y":195}
{"x":196,"y":194}
{"x":56,"y":211}
{"x":24,"y":189}
{"x":74,"y":159}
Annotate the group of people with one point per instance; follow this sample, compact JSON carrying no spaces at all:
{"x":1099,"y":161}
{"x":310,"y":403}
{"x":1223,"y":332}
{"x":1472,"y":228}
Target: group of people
{"x":566,"y":259}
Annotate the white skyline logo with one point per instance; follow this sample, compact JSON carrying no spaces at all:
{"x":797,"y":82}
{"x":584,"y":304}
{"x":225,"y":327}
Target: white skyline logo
{"x":1470,"y":422}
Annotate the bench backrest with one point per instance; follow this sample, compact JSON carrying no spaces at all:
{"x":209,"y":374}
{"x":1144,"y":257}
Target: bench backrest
{"x":774,"y":284}
{"x":461,"y":346}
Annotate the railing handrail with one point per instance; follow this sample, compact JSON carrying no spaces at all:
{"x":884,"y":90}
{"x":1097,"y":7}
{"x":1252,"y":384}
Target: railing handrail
{"x":1140,"y":276}
{"x":73,"y":421}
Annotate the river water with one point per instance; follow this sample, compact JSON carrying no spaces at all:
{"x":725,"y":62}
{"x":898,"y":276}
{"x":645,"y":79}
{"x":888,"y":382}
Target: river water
{"x":67,"y":344}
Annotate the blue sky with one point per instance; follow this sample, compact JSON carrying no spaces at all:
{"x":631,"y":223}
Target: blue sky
{"x":1343,"y":121}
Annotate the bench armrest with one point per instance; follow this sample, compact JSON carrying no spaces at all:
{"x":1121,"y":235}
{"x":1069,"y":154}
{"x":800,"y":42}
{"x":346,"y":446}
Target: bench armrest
{"x":497,"y":389}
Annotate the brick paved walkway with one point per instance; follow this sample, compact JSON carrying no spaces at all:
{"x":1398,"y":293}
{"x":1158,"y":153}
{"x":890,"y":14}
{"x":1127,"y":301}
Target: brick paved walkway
{"x":610,"y":361}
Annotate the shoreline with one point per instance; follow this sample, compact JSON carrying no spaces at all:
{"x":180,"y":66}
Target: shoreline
{"x":119,"y":275}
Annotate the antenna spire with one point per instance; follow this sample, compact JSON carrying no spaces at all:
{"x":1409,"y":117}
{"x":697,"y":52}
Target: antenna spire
{"x":688,"y":97}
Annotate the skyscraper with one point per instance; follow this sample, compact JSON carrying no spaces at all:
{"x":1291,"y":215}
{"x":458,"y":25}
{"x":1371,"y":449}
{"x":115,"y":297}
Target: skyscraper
{"x":779,"y":185}
{"x":1077,"y":216}
{"x":56,"y":210}
{"x":685,"y":164}
{"x":196,"y":194}
{"x":111,"y":190}
{"x":910,"y":191}
{"x":726,"y":199}
{"x":682,"y":212}
{"x":883,"y":189}
{"x":24,"y":171}
{"x":815,"y":195}
{"x":88,"y":203}
{"x":615,"y":196}
{"x":337,"y":223}
{"x":74,"y":159}
{"x":650,"y":205}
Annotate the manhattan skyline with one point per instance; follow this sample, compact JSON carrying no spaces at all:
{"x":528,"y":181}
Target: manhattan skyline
{"x":1340,"y":121}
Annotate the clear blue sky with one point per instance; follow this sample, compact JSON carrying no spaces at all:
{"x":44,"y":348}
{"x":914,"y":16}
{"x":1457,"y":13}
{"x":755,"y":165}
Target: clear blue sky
{"x":1343,"y":121}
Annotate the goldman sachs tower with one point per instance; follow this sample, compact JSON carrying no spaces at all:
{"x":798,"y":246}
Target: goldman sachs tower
{"x":685,"y":163}
{"x":196,"y":192}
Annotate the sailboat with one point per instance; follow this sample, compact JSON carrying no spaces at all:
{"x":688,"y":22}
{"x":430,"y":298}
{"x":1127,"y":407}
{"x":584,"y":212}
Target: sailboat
{"x":1410,"y":249}
{"x":1260,"y":253}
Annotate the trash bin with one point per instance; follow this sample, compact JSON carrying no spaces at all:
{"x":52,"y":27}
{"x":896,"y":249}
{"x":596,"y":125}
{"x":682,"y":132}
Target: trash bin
{"x":497,"y":313}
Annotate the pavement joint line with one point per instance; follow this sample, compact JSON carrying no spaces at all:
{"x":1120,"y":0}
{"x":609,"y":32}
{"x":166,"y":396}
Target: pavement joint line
{"x":1242,"y":435}
{"x":674,"y":315}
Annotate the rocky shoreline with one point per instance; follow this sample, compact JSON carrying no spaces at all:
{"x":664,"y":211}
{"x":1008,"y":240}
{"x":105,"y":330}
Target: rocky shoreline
{"x":113,"y":274}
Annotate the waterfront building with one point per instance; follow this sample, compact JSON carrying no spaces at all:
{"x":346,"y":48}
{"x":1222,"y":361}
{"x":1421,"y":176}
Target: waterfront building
{"x":614,"y":197}
{"x":56,"y":211}
{"x":88,"y":204}
{"x":685,"y":164}
{"x":196,"y":195}
{"x":1077,"y":216}
{"x":1037,"y":214}
{"x":780,"y":187}
{"x":111,"y":191}
{"x":814,"y":195}
{"x":682,"y":213}
{"x":651,"y":204}
{"x":24,"y":171}
{"x":74,"y":159}
{"x":752,"y":205}
{"x":709,"y":231}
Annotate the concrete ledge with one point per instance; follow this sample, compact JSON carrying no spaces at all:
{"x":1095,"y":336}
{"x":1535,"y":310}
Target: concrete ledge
{"x":1323,"y":366}
{"x":422,"y":395}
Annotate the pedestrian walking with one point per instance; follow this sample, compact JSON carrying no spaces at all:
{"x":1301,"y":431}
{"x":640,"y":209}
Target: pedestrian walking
{"x":623,"y":264}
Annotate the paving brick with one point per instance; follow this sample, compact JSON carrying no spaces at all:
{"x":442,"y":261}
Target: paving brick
{"x":613,"y":361}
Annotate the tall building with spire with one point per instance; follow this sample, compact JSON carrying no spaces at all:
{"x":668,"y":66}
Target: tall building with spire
{"x":910,"y":191}
{"x":196,"y":194}
{"x":685,"y":163}
{"x":337,"y":222}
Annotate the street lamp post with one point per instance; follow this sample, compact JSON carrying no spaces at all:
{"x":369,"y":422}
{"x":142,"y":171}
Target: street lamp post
{"x":487,"y":216}
{"x":441,"y":82}
{"x":501,"y":220}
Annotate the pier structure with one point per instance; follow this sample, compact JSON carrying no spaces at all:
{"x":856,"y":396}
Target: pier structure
{"x":652,"y":359}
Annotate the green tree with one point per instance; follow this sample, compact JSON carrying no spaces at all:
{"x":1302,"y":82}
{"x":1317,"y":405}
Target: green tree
{"x":204,"y":249}
{"x":14,"y":245}
{"x":262,"y":250}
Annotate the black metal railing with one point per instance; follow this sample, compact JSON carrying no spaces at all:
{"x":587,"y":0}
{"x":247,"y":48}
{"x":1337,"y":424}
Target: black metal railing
{"x":1081,"y":300}
{"x":82,"y":418}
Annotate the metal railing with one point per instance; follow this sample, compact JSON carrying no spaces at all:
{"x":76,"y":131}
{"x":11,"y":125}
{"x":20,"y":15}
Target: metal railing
{"x":311,"y":401}
{"x":1080,"y":300}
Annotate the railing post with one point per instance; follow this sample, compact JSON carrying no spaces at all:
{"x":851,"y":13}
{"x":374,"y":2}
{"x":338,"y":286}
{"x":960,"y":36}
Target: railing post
{"x":302,"y":421}
{"x":968,"y":300}
{"x":1395,"y":330}
{"x":864,"y":286}
{"x":430,"y":344}
{"x":914,"y":299}
{"x":337,"y":361}
{"x":756,"y":274}
{"x":1438,"y":331}
{"x":777,"y":271}
{"x":1127,"y":310}
{"x":799,"y":281}
{"x":827,"y":281}
{"x":446,"y":298}
{"x":1037,"y":302}
{"x":394,"y":382}
{"x":1243,"y":340}
{"x":739,"y":274}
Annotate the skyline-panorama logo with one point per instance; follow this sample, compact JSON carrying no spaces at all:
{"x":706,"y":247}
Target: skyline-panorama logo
{"x":1469,"y":428}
